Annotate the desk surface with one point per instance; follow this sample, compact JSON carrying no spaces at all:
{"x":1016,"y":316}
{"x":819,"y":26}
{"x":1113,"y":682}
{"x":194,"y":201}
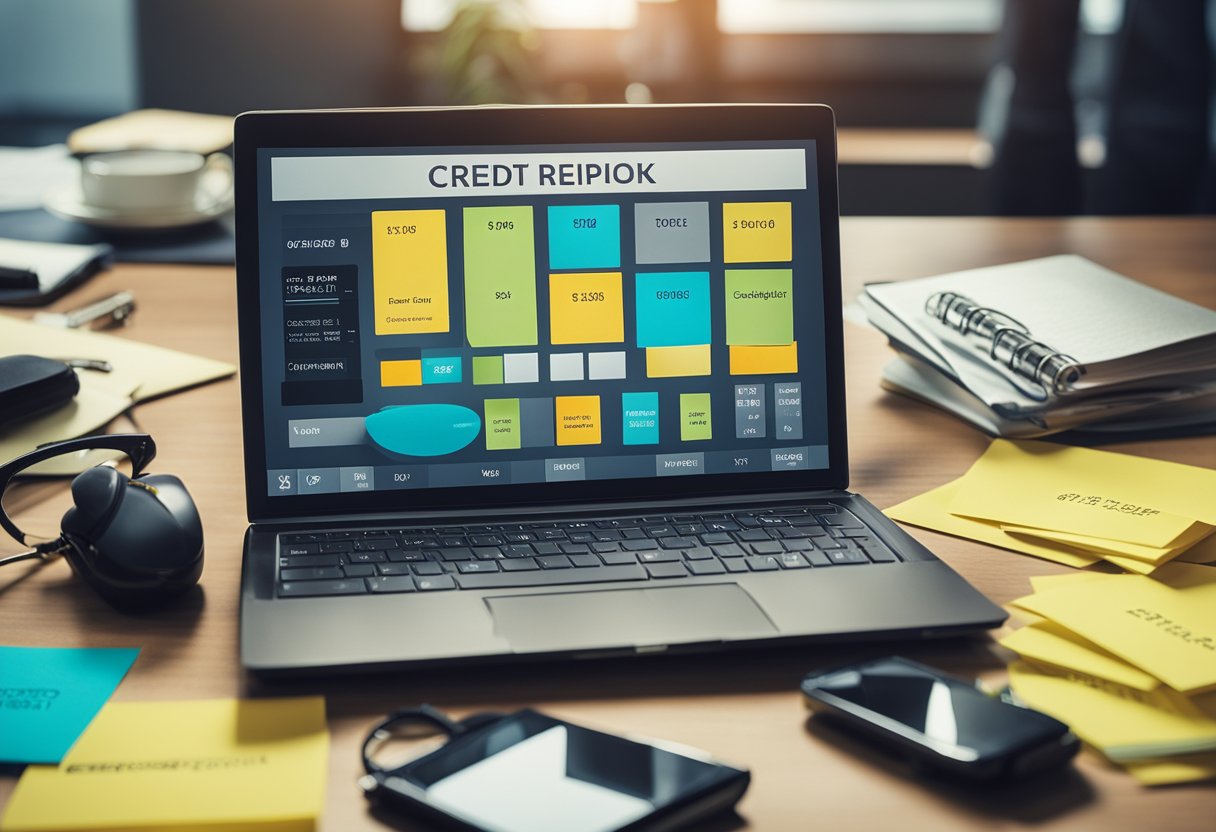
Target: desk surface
{"x":741,"y":707}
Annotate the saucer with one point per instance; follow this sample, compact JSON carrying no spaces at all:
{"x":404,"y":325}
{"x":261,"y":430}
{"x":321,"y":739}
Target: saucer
{"x":213,"y":200}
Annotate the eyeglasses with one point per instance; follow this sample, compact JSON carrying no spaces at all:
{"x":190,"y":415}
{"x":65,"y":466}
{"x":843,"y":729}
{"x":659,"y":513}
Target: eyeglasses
{"x":134,"y":451}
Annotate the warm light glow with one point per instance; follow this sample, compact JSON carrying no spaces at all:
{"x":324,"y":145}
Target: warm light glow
{"x":432,"y":15}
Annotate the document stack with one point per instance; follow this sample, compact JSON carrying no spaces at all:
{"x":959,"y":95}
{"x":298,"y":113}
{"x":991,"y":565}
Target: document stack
{"x":1129,"y":662}
{"x":1033,"y":348}
{"x":1076,"y":506}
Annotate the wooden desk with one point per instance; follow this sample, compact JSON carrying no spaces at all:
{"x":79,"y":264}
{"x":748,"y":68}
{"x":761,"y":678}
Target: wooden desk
{"x":741,"y":707}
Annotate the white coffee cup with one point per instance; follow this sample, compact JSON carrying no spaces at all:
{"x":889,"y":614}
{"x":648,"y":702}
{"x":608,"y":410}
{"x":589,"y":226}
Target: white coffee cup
{"x":133,"y":181}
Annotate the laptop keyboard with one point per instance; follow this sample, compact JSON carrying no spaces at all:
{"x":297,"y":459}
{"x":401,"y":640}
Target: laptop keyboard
{"x":600,"y":550}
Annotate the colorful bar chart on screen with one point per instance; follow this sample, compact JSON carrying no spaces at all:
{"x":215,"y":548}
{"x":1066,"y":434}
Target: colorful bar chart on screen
{"x":695,"y":418}
{"x":410,"y":272}
{"x":640,"y":418}
{"x":672,"y":309}
{"x":586,"y":308}
{"x":759,"y":307}
{"x":584,"y":236}
{"x":757,"y":232}
{"x":670,"y":362}
{"x":499,"y":277}
{"x":578,"y":420}
{"x":747,"y":360}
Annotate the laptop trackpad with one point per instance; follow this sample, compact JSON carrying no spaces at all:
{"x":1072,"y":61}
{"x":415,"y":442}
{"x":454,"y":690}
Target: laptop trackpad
{"x":634,"y":617}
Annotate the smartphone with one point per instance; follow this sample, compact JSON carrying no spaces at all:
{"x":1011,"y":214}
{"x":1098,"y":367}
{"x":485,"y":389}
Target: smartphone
{"x":529,"y":772}
{"x":939,"y":721}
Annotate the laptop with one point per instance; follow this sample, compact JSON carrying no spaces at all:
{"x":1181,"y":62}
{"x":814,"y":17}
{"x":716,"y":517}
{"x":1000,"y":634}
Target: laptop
{"x":535,"y":382}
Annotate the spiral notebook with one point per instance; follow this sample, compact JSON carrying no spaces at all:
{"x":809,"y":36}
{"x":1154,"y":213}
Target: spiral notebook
{"x":1046,"y":345}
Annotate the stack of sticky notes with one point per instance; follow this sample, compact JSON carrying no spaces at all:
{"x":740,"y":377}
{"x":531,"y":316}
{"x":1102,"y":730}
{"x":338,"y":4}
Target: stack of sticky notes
{"x":1129,"y":662}
{"x":1076,"y":506}
{"x":206,"y":764}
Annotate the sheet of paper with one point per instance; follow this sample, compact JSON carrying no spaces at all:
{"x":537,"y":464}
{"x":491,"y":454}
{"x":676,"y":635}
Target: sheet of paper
{"x":140,"y":371}
{"x":1087,"y":492}
{"x":1032,"y":536}
{"x":1148,"y":554}
{"x":158,"y":369}
{"x":1045,"y":583}
{"x":1165,"y":627}
{"x":1189,"y":768}
{"x":1122,"y":723}
{"x":1046,"y":642}
{"x":1202,"y":552}
{"x":205,"y":765}
{"x":49,"y":694}
{"x":931,"y":511}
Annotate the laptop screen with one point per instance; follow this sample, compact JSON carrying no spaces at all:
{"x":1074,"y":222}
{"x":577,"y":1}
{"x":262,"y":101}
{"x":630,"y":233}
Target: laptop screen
{"x":437,"y":318}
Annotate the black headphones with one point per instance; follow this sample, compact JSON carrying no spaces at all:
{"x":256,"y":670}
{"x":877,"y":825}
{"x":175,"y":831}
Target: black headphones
{"x":136,"y":540}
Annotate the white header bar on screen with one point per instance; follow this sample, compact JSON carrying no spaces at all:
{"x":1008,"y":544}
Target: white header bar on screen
{"x":295,"y":178}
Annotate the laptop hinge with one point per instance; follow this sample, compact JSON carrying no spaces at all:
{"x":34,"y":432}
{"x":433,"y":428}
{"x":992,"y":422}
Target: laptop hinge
{"x":650,"y":505}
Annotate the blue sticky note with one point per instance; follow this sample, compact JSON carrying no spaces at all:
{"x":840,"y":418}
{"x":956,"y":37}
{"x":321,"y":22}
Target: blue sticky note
{"x":673,"y":309}
{"x":444,"y":370}
{"x":49,"y":695}
{"x":584,"y":236}
{"x":640,"y":418}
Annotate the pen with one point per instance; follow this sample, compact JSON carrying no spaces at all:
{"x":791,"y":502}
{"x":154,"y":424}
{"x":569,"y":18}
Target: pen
{"x":111,"y":310}
{"x":16,"y":277}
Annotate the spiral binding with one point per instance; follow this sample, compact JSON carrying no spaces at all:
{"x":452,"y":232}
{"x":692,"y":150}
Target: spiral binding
{"x":1009,"y":341}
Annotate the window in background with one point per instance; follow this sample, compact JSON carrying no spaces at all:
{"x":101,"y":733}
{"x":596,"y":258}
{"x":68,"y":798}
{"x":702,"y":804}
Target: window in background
{"x":434,"y":15}
{"x":888,"y":16}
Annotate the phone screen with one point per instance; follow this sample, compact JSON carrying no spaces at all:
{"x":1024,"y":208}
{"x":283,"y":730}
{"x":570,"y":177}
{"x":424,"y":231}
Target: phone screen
{"x":949,"y":714}
{"x":532,"y":773}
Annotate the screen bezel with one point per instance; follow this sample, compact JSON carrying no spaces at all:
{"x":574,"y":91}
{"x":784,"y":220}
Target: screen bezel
{"x":469,"y":126}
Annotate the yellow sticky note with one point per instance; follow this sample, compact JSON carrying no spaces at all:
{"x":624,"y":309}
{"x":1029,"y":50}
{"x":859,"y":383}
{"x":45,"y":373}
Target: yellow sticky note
{"x":207,"y":765}
{"x":1046,"y":642}
{"x":1087,"y":492}
{"x":1046,"y":583}
{"x":578,"y":420}
{"x":1165,"y":627}
{"x":1124,"y":724}
{"x":1186,"y":768}
{"x":586,"y":308}
{"x":1139,"y":567}
{"x":407,"y":373}
{"x":410,"y":271}
{"x":670,"y":362}
{"x":757,"y":232}
{"x":931,"y":511}
{"x":1149,"y":554}
{"x":750,"y":360}
{"x":1202,"y":552}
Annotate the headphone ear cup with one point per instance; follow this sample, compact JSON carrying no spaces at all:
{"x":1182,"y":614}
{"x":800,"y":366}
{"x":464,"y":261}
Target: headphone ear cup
{"x":137,"y":542}
{"x":97,"y":493}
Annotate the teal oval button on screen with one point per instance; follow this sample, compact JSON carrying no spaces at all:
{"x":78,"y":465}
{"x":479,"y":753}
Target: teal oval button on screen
{"x":423,"y":429}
